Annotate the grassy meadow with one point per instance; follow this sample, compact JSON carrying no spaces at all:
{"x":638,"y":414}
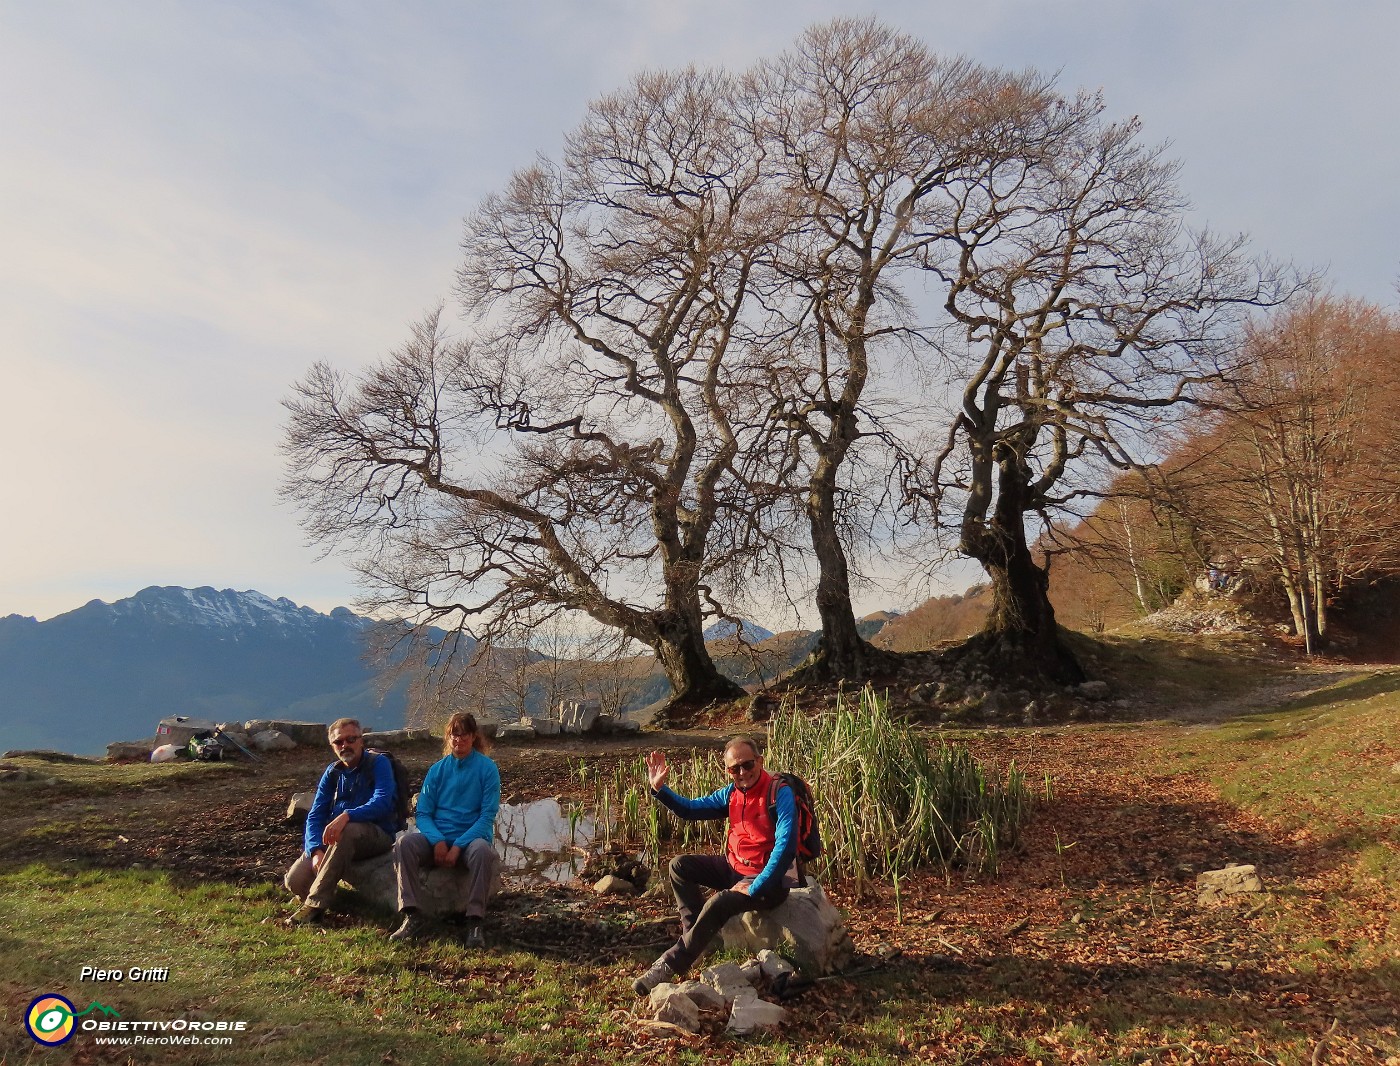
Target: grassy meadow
{"x":1084,"y":946}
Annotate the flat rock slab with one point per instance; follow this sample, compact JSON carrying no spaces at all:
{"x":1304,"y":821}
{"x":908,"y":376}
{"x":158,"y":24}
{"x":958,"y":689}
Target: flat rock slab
{"x":751,"y":1014}
{"x":384,"y":738}
{"x":307,"y":734}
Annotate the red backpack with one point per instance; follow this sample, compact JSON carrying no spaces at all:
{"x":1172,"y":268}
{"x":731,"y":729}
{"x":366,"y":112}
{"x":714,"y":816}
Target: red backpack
{"x":809,"y":838}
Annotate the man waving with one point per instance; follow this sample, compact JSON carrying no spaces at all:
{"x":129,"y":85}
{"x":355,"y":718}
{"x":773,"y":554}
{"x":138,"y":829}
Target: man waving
{"x":752,"y":874}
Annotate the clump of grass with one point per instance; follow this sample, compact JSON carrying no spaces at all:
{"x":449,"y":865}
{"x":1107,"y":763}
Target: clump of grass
{"x":887,"y":800}
{"x":626,"y":814}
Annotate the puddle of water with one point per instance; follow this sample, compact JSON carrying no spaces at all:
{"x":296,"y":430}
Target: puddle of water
{"x":537,"y":842}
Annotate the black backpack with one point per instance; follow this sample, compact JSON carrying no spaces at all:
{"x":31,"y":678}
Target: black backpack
{"x":403,"y":791}
{"x":809,"y":837}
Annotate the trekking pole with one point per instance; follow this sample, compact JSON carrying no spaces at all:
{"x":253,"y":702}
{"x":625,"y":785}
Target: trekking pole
{"x":221,"y":735}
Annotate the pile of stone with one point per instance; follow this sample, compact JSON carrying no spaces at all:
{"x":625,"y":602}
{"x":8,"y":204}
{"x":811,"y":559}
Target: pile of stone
{"x":257,"y":734}
{"x":729,"y":992}
{"x":1219,"y":886}
{"x":574,"y":717}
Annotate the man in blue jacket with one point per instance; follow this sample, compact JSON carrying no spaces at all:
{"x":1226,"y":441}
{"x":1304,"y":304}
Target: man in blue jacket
{"x":456,"y":820}
{"x":752,"y":874}
{"x":352,"y":817}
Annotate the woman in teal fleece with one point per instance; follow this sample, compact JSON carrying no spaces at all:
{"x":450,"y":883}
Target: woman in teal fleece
{"x":456,"y":821}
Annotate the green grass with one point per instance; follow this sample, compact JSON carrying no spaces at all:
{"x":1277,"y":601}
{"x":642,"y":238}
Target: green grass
{"x":1321,"y":763}
{"x":339,"y":995}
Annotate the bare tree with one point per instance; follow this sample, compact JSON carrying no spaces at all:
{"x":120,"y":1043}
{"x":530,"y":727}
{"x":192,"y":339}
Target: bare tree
{"x":1084,"y":318}
{"x":866,"y":127}
{"x":580,"y":457}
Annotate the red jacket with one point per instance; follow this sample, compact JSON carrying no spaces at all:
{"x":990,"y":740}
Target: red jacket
{"x":751,"y":830}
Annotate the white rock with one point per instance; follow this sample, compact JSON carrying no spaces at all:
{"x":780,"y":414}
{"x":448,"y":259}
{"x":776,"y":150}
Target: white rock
{"x":805,"y":927}
{"x":752,"y":1014}
{"x":300,"y":805}
{"x":773,"y":965}
{"x":730,"y":981}
{"x":704,"y":997}
{"x":612,"y":885}
{"x":678,"y":1009}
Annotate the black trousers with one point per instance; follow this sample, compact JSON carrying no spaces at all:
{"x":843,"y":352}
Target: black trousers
{"x":702,"y":919}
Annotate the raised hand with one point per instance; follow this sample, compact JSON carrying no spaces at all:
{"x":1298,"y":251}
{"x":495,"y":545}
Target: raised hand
{"x":657,"y":770}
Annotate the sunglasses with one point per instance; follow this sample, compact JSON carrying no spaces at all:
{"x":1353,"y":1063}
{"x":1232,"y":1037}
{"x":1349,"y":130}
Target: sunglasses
{"x":741,"y":767}
{"x":345,"y":742}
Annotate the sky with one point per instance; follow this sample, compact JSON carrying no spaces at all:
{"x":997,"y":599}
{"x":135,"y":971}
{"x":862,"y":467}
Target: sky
{"x":200,"y":199}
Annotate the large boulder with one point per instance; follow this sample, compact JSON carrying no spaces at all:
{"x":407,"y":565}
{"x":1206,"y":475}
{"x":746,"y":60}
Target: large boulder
{"x":444,"y":891}
{"x":271,"y":740}
{"x":805,"y":927}
{"x":579,"y":716}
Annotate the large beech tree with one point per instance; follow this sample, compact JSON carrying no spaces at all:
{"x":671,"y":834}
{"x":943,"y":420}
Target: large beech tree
{"x":579,"y":455}
{"x":1082,"y":316}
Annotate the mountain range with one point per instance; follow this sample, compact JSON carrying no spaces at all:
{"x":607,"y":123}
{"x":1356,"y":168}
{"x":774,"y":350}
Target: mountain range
{"x":111,"y":671}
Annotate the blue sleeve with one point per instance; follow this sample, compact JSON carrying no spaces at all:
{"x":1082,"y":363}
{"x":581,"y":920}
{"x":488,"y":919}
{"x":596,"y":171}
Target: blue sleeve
{"x":704,"y":808}
{"x":381,"y":804}
{"x":784,"y":841}
{"x":427,"y":805}
{"x":485,"y":824}
{"x":320,"y":813}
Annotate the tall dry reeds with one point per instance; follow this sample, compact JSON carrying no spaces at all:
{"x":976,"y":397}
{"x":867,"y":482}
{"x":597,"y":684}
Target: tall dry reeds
{"x":889,"y":800}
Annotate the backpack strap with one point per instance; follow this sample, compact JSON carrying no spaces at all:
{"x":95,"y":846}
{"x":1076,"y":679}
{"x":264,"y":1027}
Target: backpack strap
{"x":776,"y":782}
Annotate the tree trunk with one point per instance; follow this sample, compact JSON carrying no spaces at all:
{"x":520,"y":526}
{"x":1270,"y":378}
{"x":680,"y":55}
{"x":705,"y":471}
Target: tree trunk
{"x":695,"y":679}
{"x":842,"y":654}
{"x":1020,"y":637}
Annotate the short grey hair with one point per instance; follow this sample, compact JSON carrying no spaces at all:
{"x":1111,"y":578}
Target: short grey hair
{"x":340,"y":723}
{"x":742,"y":740}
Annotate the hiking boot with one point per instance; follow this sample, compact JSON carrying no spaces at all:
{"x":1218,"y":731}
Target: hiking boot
{"x":474,"y":938}
{"x":414,"y":927}
{"x":309,"y":914}
{"x":659,"y":974}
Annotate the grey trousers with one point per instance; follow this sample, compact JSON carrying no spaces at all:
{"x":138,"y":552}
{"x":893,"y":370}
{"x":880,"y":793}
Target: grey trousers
{"x":413,"y":853}
{"x":359,"y":840}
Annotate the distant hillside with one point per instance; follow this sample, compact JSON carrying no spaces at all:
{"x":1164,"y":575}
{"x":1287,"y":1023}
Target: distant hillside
{"x":111,"y":671}
{"x":937,"y":619}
